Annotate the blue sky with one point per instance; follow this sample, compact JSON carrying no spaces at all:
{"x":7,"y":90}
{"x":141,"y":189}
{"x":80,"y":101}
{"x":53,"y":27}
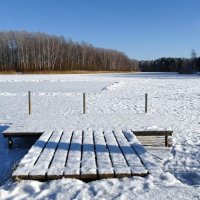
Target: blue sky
{"x":143,"y":29}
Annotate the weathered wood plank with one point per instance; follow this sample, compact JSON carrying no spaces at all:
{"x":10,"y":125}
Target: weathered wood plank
{"x":152,"y":133}
{"x":104,"y":164}
{"x":88,"y":162}
{"x":31,"y":157}
{"x":56,"y":169}
{"x":144,"y":156}
{"x":151,"y":140}
{"x":72,"y":169}
{"x":40,"y":168}
{"x":22,"y":134}
{"x":137,"y":168}
{"x":85,"y":155}
{"x":155,"y":133}
{"x":119,"y":163}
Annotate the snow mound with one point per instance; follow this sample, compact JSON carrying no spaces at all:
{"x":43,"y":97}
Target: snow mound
{"x":7,"y":94}
{"x":114,"y":86}
{"x":157,"y":128}
{"x":127,"y":188}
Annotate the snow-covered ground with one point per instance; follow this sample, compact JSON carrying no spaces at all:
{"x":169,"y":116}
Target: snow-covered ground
{"x":112,"y":101}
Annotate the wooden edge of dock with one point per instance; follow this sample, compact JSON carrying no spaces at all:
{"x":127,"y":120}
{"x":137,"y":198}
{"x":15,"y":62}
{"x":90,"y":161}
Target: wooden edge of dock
{"x":22,"y":134}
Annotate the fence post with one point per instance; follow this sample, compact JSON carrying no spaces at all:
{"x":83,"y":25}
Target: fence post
{"x":29,"y":102}
{"x":84,"y":106}
{"x":146,"y":103}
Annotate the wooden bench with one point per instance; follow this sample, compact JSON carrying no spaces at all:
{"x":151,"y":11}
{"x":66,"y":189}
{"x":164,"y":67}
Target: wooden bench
{"x":154,"y":133}
{"x":10,"y":135}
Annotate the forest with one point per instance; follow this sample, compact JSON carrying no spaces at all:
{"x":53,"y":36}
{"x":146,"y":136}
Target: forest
{"x":181,"y":65}
{"x":26,"y":52}
{"x":22,"y":51}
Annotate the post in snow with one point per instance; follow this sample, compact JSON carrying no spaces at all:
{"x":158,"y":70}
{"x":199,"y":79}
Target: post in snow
{"x":146,"y":99}
{"x":84,"y":106}
{"x":29,"y":102}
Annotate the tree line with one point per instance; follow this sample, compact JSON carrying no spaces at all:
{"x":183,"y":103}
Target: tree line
{"x":181,"y":65}
{"x":22,"y":51}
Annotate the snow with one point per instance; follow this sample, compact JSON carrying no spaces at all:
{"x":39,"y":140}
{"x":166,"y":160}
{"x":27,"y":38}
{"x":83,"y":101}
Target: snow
{"x":129,"y":153}
{"x":46,"y":155}
{"x":58,"y":162}
{"x":74,"y":156}
{"x":103,"y":159}
{"x":127,"y":188}
{"x":113,"y":102}
{"x":145,"y":157}
{"x":88,"y":164}
{"x":119,"y":163}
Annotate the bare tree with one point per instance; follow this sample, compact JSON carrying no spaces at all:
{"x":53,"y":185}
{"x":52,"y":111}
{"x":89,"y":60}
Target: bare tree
{"x":23,"y":51}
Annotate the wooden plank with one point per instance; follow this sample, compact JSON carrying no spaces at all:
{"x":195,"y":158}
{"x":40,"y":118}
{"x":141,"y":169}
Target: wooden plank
{"x":144,"y":156}
{"x":155,"y":133}
{"x":31,"y":157}
{"x":119,"y":163}
{"x":152,"y":133}
{"x":104,"y":164}
{"x":151,"y":140}
{"x":137,"y":168}
{"x":72,"y":168}
{"x":40,"y":168}
{"x":88,"y":162}
{"x":22,"y":134}
{"x":56,"y":169}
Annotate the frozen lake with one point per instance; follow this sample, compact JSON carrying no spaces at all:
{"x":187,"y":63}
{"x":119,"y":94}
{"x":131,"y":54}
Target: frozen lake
{"x":112,"y":101}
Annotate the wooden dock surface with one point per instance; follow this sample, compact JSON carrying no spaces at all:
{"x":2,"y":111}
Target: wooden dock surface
{"x":81,"y":154}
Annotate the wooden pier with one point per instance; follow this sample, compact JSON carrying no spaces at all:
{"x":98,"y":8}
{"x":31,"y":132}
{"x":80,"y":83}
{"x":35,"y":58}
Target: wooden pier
{"x":82,"y":154}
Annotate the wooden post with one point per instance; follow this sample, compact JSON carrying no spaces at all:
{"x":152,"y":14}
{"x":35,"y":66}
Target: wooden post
{"x":84,"y":107}
{"x":146,"y":103}
{"x":166,"y":141}
{"x":29,"y":102}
